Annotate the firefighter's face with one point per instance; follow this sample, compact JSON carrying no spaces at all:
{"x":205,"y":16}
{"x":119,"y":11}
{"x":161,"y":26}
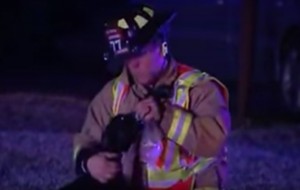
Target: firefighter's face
{"x":146,"y":67}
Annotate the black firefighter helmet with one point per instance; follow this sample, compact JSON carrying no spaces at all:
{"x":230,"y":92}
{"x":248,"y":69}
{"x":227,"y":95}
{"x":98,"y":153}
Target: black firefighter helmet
{"x":126,"y":35}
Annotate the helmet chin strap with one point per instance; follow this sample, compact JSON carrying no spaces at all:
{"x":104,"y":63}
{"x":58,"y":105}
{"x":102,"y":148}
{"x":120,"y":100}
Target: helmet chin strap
{"x":164,"y":48}
{"x":162,"y":70}
{"x":164,"y":51}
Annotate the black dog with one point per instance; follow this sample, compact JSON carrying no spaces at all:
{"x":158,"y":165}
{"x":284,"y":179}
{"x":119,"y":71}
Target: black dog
{"x":119,"y":135}
{"x":122,"y":131}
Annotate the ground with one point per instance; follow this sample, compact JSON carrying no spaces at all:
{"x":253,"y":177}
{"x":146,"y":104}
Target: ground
{"x":36,"y":146}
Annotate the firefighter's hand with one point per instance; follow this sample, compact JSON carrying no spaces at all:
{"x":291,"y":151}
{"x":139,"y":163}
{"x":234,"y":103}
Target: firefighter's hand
{"x":101,"y":168}
{"x":148,"y":110}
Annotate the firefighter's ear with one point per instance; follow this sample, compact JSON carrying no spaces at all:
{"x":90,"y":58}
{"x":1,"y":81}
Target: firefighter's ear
{"x":164,"y":48}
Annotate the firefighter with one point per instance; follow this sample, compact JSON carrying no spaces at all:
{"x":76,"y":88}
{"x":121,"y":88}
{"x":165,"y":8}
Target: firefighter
{"x":188,"y":145}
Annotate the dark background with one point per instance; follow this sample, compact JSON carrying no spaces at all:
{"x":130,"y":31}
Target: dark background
{"x":51,"y":66}
{"x":53,"y":44}
{"x":56,"y":46}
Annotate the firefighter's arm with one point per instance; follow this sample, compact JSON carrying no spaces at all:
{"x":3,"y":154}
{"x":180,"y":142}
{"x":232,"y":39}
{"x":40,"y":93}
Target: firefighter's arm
{"x":204,"y":127}
{"x":98,"y":116}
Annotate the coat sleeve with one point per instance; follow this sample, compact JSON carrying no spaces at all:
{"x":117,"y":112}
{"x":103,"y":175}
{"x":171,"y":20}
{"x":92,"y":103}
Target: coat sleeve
{"x":98,"y":116}
{"x":204,"y":127}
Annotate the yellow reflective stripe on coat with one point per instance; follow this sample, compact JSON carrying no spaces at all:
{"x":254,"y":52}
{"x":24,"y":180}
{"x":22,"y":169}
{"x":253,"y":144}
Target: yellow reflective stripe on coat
{"x":181,"y":122}
{"x":200,"y":165}
{"x":188,"y":79}
{"x":180,"y":126}
{"x":118,"y":91}
{"x":173,"y":170}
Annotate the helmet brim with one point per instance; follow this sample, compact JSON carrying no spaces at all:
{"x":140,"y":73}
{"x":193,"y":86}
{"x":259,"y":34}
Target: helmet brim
{"x":159,"y":22}
{"x":142,"y":35}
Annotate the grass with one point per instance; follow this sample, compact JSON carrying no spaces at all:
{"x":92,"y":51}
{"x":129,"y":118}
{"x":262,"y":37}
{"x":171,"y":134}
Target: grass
{"x":36,"y":147}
